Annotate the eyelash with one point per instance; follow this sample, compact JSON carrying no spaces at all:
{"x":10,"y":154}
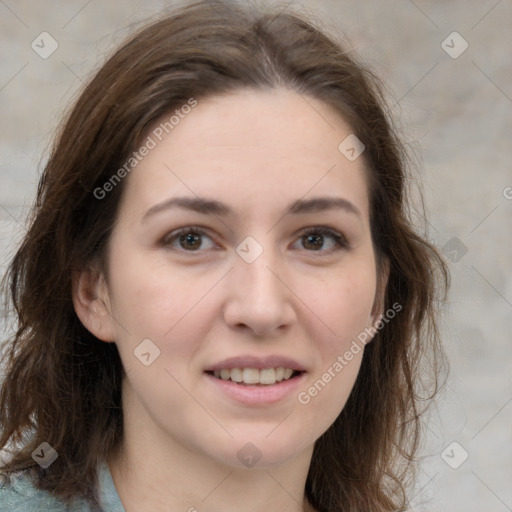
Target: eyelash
{"x":340,"y":241}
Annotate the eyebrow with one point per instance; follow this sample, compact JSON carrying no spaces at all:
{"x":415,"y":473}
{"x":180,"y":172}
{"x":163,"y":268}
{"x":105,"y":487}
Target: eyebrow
{"x":214,"y":207}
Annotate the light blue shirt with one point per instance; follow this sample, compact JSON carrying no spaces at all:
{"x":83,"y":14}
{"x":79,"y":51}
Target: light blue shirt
{"x":20,"y":495}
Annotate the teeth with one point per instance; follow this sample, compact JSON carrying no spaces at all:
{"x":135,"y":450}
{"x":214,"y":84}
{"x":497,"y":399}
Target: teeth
{"x":266,"y":376}
{"x":250,"y":376}
{"x":236,"y":375}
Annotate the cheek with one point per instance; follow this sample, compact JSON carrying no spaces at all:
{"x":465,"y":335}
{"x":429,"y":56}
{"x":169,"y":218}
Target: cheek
{"x":150,"y":303}
{"x":344,"y":306}
{"x":149,"y":298}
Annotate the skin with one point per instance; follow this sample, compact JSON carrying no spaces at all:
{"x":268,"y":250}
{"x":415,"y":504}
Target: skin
{"x":256,"y":151}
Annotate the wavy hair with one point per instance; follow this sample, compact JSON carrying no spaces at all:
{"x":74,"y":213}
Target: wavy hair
{"x":63,"y":386}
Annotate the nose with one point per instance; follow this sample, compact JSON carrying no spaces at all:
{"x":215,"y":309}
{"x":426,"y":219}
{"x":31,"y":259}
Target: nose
{"x":259,"y":299}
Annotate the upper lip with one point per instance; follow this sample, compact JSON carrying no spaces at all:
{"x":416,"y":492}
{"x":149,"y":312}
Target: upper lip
{"x":272,"y":361}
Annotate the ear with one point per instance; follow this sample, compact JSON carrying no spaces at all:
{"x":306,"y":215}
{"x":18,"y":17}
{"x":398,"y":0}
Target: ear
{"x":380,"y":294}
{"x":92,"y":304}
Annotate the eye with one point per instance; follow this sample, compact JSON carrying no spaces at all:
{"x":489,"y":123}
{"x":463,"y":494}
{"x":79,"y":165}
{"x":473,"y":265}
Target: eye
{"x":313,"y":239}
{"x":189,"y":238}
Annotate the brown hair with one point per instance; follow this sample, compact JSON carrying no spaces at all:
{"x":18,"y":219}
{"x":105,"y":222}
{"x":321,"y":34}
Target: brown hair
{"x":63,"y":385}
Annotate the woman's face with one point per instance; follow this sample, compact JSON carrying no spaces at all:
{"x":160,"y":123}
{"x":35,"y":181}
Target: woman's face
{"x":244,"y":233}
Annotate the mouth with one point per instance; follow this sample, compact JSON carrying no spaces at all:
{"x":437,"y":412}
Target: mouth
{"x":257,"y":381}
{"x":256,"y":377}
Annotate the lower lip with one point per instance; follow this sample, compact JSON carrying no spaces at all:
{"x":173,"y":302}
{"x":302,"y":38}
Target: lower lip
{"x":257,"y":394}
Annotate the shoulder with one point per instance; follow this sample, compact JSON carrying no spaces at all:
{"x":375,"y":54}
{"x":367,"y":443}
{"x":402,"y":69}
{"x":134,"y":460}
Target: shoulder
{"x":19,"y":494}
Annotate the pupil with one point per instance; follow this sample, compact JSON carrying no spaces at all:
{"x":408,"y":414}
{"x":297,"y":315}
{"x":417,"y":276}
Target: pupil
{"x":191,"y":240}
{"x":316,"y":240}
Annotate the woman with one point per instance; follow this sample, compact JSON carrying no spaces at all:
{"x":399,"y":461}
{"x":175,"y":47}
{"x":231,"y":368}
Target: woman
{"x":222,"y":303}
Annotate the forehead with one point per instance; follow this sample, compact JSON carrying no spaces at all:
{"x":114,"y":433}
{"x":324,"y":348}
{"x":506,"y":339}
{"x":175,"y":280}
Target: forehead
{"x":272,"y":146}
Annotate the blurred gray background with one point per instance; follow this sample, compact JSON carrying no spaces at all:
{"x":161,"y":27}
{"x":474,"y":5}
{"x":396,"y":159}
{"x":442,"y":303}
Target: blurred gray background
{"x":451,"y":95}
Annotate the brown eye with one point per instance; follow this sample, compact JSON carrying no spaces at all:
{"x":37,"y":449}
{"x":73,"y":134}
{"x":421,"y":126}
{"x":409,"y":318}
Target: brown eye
{"x":190,"y":239}
{"x":314,"y":239}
